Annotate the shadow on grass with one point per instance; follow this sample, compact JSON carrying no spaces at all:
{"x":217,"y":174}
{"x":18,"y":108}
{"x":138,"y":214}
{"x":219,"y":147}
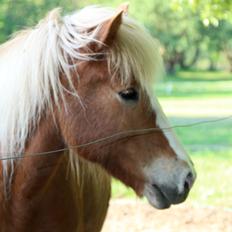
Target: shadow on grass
{"x":213,"y":136}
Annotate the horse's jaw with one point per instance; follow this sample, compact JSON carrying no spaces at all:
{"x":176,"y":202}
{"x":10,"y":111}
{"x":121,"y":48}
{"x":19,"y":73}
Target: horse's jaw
{"x":156,"y":197}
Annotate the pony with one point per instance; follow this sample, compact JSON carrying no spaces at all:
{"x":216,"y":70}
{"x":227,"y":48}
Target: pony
{"x":77,"y":106}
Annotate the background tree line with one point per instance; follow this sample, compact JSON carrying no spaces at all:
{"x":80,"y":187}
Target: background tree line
{"x":193,"y":34}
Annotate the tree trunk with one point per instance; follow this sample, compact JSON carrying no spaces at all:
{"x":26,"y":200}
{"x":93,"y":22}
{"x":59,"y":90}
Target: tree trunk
{"x":212,"y":65}
{"x":170,"y":67}
{"x":229,"y":58}
{"x":172,"y":61}
{"x":182,"y":59}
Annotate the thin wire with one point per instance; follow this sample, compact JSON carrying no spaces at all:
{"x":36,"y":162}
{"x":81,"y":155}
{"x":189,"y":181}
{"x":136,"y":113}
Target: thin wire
{"x":116,"y":136}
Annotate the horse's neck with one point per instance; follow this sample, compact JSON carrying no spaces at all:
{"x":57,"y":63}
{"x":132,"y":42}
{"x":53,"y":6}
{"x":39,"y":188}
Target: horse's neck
{"x":41,"y":194}
{"x":46,"y":196}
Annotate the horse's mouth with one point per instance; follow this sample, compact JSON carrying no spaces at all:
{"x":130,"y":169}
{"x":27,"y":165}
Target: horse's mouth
{"x":156,"y":197}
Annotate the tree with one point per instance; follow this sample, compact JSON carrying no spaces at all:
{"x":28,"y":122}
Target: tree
{"x":177,"y":29}
{"x":186,"y":29}
{"x":210,"y":10}
{"x":16,"y":15}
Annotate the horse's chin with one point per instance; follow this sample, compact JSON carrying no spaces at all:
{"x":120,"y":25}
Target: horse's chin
{"x":155,"y":197}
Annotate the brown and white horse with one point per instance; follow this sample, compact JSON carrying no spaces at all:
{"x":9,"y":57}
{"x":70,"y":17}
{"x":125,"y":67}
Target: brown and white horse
{"x":83,"y":79}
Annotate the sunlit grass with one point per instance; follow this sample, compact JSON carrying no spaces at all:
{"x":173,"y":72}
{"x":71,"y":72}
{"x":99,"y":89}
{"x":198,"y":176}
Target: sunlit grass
{"x":205,"y":75}
{"x":213,"y":185}
{"x":199,"y":106}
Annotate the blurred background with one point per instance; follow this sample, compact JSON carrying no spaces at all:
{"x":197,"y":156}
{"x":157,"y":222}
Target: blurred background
{"x":196,"y":44}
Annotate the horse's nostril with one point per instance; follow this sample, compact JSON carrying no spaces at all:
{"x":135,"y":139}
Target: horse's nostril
{"x":190,"y":175}
{"x":188,"y":181}
{"x":186,"y":186}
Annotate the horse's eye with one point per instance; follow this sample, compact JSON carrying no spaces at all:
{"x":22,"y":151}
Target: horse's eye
{"x":129,"y":95}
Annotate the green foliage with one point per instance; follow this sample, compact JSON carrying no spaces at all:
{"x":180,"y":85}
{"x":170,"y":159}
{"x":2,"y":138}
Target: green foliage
{"x":211,"y":10}
{"x":16,"y":15}
{"x":188,"y":31}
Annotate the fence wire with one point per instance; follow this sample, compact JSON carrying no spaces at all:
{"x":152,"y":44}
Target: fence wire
{"x":113,"y":138}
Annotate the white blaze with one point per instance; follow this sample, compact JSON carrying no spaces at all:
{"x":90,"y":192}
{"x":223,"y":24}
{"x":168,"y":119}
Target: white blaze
{"x":163,"y":124}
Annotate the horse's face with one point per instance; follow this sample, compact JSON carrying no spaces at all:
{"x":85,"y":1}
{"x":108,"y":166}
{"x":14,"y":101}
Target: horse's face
{"x":153,"y":164}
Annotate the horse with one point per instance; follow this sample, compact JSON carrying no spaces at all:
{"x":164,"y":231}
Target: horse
{"x":77,"y":107}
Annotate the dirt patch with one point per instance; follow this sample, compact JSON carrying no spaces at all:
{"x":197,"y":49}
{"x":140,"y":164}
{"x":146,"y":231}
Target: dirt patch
{"x":138,"y":216}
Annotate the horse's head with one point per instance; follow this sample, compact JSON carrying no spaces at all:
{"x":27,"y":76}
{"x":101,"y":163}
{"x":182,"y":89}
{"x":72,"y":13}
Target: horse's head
{"x":115,"y":95}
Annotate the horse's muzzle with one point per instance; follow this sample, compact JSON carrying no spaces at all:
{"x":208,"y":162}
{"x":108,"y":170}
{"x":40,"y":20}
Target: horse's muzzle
{"x":163,"y":195}
{"x":173,"y":195}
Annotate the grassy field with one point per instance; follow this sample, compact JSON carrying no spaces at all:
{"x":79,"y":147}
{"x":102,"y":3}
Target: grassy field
{"x":200,"y":96}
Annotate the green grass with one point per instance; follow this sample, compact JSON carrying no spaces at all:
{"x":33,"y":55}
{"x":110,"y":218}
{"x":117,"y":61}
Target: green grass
{"x":195,"y":88}
{"x":196,"y":85}
{"x":204,"y":75}
{"x":213,"y":185}
{"x":209,"y":135}
{"x":195,"y":96}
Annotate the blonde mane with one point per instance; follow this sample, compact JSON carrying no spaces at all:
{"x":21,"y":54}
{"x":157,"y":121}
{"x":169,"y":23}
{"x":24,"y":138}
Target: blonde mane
{"x":31,"y":62}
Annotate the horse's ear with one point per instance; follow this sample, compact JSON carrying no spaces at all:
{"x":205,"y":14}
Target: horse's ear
{"x":124,"y":7}
{"x":109,"y":29}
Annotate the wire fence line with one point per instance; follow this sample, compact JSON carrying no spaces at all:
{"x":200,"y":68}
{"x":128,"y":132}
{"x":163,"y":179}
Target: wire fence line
{"x":112,"y":138}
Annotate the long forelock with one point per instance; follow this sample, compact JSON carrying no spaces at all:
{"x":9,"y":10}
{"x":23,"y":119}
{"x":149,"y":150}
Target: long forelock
{"x":135,"y":54}
{"x":31,"y":63}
